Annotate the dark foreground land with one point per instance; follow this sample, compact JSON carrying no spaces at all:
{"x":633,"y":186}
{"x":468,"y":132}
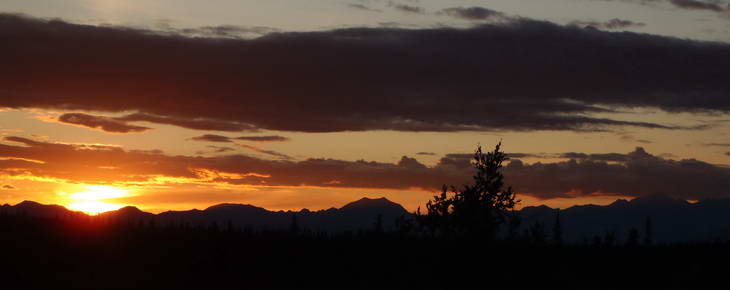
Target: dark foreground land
{"x":56,"y":254}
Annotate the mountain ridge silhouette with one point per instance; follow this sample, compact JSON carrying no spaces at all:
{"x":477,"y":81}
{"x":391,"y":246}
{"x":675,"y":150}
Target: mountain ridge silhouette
{"x":672,"y":220}
{"x":353,"y":216}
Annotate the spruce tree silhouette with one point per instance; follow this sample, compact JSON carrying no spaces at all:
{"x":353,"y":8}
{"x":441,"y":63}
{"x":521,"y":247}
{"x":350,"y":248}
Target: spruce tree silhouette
{"x":536,"y":234}
{"x":633,"y":238}
{"x":294,"y":225}
{"x":609,"y":238}
{"x":557,"y":230}
{"x":648,"y":232}
{"x":478,"y":210}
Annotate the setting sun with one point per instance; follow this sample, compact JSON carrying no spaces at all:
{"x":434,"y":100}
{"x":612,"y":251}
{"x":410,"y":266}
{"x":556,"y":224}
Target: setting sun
{"x":91,"y":201}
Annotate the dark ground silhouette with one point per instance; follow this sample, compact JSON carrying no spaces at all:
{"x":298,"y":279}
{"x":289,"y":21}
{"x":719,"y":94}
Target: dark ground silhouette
{"x":83,"y":253}
{"x":469,"y":239}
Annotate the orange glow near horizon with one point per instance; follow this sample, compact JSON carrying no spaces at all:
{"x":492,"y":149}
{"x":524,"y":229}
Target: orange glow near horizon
{"x":91,"y":201}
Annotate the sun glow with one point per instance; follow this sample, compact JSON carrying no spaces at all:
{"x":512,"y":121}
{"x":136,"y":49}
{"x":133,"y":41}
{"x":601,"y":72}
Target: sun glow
{"x":91,"y":201}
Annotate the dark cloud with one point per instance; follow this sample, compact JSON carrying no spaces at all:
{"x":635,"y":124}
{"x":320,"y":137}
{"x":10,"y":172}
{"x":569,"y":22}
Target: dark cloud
{"x":226,"y":31}
{"x":197,"y":123}
{"x":472,"y":13}
{"x":212,"y":138}
{"x":221,"y":149}
{"x":267,"y":152}
{"x":718,"y":144}
{"x":411,"y":163}
{"x":522,"y":75}
{"x":104,"y":123}
{"x":81,"y":163}
{"x":470,"y":156}
{"x":642,"y":2}
{"x":637,"y":173}
{"x":121,"y":124}
{"x":667,"y":155}
{"x":272,"y":138}
{"x":222,"y":31}
{"x":698,"y":5}
{"x":219,"y":138}
{"x":711,"y":5}
{"x":215,"y":150}
{"x":727,"y":153}
{"x":608,"y":157}
{"x":427,"y":153}
{"x":408,"y":8}
{"x":603,"y":157}
{"x":611,"y":24}
{"x":459,"y":156}
{"x":529,"y":155}
{"x":8,"y":187}
{"x":629,"y":138}
{"x":363,"y":7}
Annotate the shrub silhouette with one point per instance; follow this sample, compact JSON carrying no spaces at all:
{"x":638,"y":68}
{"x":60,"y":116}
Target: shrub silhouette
{"x":477,"y":210}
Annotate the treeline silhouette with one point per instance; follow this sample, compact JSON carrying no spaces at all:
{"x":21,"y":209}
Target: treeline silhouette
{"x":469,"y":238}
{"x":86,"y":253}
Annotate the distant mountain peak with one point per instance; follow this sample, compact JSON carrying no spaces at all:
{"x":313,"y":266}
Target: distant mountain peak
{"x":370,"y":202}
{"x":28,"y":203}
{"x":40,"y":210}
{"x":657,"y":199}
{"x":620,"y":202}
{"x":33,"y":204}
{"x":127,"y":212}
{"x":129,"y":208}
{"x":231,"y":206}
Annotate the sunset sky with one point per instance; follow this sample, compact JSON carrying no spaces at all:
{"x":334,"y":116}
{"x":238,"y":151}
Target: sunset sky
{"x":180,"y":104}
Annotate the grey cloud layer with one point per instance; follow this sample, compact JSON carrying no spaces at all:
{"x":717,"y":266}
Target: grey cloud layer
{"x":104,"y":123}
{"x":701,"y":5}
{"x":121,"y":124}
{"x":710,"y":5}
{"x":408,"y":8}
{"x":522,"y":75}
{"x":637,"y":173}
{"x":615,"y":23}
{"x":472,"y":13}
{"x":219,"y":138}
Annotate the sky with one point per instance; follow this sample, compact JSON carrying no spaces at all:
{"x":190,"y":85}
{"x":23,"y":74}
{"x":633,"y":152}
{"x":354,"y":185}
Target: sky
{"x":173,"y":105}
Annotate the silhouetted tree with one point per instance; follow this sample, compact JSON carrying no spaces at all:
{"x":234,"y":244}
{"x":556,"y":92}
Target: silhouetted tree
{"x":648,"y":232}
{"x":557,"y":230}
{"x":536,"y":234}
{"x":378,"y":225}
{"x":404,"y":225}
{"x":609,"y":238}
{"x":633,"y":238}
{"x":214,"y":227}
{"x":294,"y":226}
{"x":596,"y":241}
{"x":513,"y":224}
{"x":477,"y":210}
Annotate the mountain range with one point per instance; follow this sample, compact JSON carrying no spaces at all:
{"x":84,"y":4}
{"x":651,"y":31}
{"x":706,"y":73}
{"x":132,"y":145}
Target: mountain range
{"x":667,"y":219}
{"x":354,"y":216}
